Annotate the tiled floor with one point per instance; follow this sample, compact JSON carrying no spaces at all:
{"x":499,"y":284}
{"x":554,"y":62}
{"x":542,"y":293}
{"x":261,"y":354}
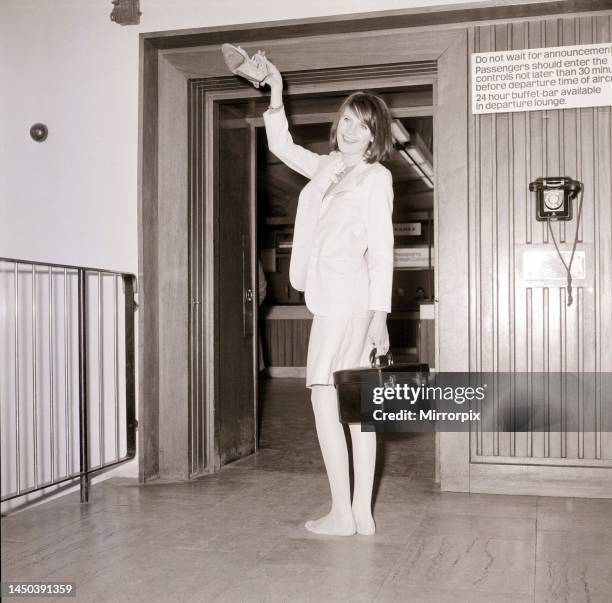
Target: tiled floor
{"x":238,"y":535}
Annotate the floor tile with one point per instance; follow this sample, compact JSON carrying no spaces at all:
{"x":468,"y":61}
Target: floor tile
{"x":574,"y":566}
{"x":470,"y":562}
{"x":271,"y":583}
{"x":562,"y":514}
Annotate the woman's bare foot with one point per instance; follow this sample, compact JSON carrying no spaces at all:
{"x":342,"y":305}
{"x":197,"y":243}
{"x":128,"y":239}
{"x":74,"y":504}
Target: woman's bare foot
{"x":364,"y":522}
{"x":332,"y":525}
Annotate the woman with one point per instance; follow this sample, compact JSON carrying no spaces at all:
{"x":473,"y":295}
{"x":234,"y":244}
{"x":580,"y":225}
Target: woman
{"x":342,"y":258}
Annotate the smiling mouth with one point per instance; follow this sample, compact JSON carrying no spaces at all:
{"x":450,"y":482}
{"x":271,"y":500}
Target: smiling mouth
{"x":349,"y":140}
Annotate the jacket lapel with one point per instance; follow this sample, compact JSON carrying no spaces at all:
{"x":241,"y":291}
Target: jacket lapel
{"x":351,"y":180}
{"x":326,"y":175}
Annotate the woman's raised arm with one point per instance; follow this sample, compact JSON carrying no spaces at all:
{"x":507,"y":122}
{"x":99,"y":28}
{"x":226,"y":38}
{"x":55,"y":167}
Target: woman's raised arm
{"x":280,"y":141}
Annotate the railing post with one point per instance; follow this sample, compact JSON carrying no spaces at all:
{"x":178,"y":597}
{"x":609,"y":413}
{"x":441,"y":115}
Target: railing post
{"x":83,"y":423}
{"x":130,"y":368}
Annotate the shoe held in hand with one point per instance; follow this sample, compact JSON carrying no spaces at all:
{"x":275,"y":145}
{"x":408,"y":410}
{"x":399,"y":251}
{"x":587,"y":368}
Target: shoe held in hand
{"x":254,"y":69}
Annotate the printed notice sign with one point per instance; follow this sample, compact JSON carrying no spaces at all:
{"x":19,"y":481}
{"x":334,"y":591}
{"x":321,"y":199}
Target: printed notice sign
{"x":536,"y":79}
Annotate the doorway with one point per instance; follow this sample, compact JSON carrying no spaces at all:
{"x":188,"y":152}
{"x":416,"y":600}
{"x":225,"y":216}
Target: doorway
{"x":255,"y":205}
{"x":179,"y":333}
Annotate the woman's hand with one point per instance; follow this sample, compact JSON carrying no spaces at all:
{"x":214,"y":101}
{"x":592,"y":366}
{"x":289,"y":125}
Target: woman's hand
{"x":275,"y":81}
{"x":378,"y":335}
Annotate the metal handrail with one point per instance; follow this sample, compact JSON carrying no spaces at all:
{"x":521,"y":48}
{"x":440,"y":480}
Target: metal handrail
{"x":84,"y":328}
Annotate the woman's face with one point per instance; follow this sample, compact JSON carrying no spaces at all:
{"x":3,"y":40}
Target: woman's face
{"x":352,"y":135}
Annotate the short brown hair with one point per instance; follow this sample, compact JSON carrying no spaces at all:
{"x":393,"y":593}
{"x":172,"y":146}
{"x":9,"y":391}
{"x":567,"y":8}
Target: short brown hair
{"x":372,"y":110}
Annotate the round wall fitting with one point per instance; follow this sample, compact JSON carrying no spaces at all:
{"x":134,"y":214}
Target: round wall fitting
{"x":39,"y":132}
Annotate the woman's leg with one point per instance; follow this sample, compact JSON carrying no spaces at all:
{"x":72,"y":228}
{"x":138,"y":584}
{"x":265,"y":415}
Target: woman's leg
{"x":364,"y":461}
{"x":339,"y":521}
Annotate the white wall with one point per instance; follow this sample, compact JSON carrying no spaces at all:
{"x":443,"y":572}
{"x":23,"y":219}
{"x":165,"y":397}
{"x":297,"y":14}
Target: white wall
{"x":73,"y":198}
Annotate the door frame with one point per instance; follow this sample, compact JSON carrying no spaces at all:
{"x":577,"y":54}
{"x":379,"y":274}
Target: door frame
{"x":166,"y":205}
{"x":168,"y":61}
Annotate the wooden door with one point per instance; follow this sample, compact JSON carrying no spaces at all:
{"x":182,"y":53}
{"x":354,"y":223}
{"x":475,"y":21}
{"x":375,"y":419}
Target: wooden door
{"x":235,"y":294}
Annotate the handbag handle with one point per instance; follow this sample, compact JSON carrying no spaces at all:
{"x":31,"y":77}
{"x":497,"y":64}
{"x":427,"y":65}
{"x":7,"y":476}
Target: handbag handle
{"x":375,"y":359}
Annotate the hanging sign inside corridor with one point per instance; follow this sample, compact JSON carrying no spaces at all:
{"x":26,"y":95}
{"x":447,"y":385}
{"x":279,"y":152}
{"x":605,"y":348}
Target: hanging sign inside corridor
{"x":536,"y":79}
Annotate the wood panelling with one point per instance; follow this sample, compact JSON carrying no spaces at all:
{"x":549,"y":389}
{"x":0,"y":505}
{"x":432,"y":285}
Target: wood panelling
{"x":531,"y":329}
{"x":285,"y":342}
{"x":527,"y":480}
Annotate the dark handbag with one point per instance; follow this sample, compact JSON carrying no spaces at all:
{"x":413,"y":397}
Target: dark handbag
{"x":351,"y":383}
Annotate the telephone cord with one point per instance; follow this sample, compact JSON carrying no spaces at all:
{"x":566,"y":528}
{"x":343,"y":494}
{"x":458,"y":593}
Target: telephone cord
{"x":568,"y":267}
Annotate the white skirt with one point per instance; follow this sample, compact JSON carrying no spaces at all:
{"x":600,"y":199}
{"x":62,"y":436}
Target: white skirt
{"x":336,"y":343}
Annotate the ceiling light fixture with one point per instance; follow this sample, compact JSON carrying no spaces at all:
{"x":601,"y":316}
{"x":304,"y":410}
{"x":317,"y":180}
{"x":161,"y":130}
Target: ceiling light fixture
{"x":414,"y":151}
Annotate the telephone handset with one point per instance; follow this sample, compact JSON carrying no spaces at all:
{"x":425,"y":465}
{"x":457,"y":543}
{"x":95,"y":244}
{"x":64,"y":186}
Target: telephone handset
{"x":554,"y":198}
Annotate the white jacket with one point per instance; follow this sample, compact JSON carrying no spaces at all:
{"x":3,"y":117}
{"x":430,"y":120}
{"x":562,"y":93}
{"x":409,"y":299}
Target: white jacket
{"x":342,"y":255}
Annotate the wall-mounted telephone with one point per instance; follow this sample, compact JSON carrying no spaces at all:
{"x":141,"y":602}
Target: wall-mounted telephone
{"x":554,"y":197}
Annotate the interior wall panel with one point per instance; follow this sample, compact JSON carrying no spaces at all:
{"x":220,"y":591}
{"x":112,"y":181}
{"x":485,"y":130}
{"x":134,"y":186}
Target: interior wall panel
{"x":531,"y":329}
